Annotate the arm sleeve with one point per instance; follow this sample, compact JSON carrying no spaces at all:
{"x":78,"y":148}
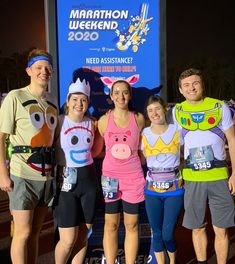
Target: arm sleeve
{"x":227,"y":121}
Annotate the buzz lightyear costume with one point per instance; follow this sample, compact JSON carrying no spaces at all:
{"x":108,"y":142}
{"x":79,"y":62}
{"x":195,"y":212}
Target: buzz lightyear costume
{"x":203,"y":127}
{"x":205,"y":171}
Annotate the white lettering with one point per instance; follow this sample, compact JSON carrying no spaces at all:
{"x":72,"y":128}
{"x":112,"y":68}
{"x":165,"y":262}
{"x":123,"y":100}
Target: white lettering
{"x":92,"y":25}
{"x":92,"y":60}
{"x":98,"y":14}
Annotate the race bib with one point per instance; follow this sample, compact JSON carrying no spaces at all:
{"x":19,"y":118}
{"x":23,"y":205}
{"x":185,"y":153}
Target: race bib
{"x":109,"y":187}
{"x":201,"y":158}
{"x":69,"y":179}
{"x":161,"y":185}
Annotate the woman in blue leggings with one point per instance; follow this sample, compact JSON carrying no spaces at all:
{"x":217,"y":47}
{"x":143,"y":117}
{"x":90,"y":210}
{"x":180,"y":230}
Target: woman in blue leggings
{"x":164,"y":185}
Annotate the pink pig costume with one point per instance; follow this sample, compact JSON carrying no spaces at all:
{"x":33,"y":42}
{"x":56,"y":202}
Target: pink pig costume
{"x":122,"y":161}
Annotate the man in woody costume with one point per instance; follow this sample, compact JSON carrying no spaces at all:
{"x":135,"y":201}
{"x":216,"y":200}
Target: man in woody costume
{"x":206,"y":124}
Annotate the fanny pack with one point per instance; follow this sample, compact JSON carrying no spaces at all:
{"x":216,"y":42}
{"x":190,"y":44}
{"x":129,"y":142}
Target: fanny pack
{"x":163,"y":170}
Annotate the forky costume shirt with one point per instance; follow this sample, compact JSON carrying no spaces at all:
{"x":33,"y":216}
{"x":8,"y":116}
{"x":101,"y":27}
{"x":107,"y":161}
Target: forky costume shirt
{"x":75,"y":142}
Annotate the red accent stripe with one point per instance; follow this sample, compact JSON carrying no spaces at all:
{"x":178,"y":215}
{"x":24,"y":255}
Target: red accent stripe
{"x":75,"y":127}
{"x":39,"y":168}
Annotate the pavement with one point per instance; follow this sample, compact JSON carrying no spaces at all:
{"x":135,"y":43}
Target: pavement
{"x":185,"y":253}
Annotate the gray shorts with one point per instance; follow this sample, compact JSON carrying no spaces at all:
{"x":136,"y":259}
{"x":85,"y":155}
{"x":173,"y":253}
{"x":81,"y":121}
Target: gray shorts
{"x":29,"y":194}
{"x":216,"y":195}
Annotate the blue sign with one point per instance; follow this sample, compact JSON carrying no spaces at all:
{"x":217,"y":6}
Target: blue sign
{"x":108,"y":38}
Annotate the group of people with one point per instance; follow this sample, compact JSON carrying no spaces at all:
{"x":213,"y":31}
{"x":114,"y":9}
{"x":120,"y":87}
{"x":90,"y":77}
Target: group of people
{"x":52,"y":164}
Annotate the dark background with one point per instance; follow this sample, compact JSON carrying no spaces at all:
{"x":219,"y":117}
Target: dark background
{"x":200,"y":33}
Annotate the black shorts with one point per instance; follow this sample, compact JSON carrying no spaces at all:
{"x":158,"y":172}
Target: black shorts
{"x":79,"y":205}
{"x":115,"y":207}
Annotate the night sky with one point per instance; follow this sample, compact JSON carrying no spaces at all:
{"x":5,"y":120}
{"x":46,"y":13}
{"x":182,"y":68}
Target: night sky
{"x":200,"y":28}
{"x":22,"y":25}
{"x":195,"y":28}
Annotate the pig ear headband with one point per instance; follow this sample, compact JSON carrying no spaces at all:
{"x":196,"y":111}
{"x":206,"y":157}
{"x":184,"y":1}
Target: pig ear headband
{"x":109,"y":81}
